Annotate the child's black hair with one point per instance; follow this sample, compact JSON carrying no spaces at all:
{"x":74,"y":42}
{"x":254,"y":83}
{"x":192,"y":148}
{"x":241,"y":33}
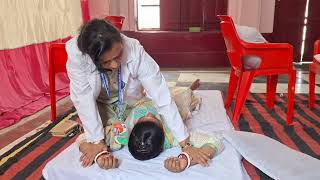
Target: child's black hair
{"x":146,"y":140}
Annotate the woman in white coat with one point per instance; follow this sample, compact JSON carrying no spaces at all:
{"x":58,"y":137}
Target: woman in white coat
{"x":109,"y":69}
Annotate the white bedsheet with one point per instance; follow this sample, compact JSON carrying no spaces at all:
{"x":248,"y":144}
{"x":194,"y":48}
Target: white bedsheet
{"x":273,"y":158}
{"x":211,"y":118}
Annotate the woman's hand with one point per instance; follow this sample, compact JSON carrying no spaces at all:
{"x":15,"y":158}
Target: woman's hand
{"x":175,"y":164}
{"x":197,"y":155}
{"x":89,"y":151}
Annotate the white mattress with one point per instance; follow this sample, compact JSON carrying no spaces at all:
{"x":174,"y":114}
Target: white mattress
{"x":211,"y":118}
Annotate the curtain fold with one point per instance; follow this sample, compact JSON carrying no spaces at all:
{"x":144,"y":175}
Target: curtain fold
{"x":24,"y":87}
{"x":27,"y":28}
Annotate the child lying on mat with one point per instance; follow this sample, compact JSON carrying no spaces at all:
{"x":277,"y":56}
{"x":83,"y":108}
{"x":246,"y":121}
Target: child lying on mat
{"x":145,"y":119}
{"x":149,"y":135}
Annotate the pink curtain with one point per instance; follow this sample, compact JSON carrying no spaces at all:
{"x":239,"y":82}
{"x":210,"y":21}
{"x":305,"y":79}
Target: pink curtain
{"x":24,"y":87}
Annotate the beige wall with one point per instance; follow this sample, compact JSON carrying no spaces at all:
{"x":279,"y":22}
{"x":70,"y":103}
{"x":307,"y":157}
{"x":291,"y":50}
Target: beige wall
{"x":127,"y":9}
{"x":99,"y":8}
{"x":102,"y":8}
{"x":254,"y":13}
{"x":267,"y":16}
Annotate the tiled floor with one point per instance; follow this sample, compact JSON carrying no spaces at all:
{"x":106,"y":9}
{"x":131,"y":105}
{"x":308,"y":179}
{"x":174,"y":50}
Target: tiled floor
{"x":211,"y":79}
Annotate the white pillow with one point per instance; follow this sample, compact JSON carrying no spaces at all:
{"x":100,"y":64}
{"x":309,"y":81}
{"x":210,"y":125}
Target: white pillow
{"x":317,"y":57}
{"x":250,"y":34}
{"x":273,"y":158}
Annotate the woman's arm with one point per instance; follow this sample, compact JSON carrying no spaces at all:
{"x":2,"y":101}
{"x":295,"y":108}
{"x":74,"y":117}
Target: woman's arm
{"x":82,"y":95}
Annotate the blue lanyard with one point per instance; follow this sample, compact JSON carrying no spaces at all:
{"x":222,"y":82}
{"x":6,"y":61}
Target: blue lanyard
{"x":104,"y":79}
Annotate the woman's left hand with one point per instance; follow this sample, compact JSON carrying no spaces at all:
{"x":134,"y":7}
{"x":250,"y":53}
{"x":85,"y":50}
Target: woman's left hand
{"x":197,"y":155}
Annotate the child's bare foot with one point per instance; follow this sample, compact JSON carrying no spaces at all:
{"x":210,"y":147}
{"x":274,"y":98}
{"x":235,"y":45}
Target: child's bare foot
{"x":89,"y":151}
{"x":195,"y":103}
{"x":107,"y":161}
{"x":195,"y":85}
{"x":175,"y":164}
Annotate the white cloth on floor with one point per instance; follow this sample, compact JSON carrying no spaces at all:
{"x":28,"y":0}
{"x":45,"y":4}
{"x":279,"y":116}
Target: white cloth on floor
{"x":273,"y":158}
{"x":211,"y":119}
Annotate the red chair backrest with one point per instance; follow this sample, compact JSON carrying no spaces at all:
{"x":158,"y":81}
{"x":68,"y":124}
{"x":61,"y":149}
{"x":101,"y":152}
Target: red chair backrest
{"x":232,"y":40}
{"x":57,"y":57}
{"x":117,"y":21}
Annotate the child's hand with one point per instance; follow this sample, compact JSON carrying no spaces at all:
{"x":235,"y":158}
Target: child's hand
{"x":89,"y":151}
{"x":107,"y":161}
{"x":175,"y":164}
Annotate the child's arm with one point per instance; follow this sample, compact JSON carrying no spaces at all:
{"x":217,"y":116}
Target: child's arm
{"x":207,"y":142}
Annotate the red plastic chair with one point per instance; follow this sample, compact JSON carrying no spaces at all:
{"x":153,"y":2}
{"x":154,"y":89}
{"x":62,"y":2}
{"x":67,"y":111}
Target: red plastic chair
{"x":117,"y":21}
{"x":314,"y":69}
{"x":57,"y":64}
{"x":277,"y":58}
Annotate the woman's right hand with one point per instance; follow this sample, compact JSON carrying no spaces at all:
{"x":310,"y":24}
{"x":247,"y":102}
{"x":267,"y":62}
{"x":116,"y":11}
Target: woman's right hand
{"x":89,"y":151}
{"x":197,"y":155}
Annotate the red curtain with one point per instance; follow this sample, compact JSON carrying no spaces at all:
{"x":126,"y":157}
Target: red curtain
{"x":24,"y":87}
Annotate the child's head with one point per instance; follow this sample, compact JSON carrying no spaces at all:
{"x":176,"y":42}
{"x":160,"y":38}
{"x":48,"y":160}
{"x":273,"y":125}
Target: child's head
{"x":146,"y":138}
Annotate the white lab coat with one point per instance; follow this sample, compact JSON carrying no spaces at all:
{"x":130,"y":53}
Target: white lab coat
{"x":139,"y":71}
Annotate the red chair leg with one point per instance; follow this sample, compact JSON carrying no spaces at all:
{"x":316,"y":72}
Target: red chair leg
{"x":291,"y":93}
{"x":246,"y":79}
{"x":271,"y":90}
{"x":53,"y":107}
{"x":233,"y":81}
{"x":52,"y":95}
{"x":312,"y":85}
{"x":268,"y":83}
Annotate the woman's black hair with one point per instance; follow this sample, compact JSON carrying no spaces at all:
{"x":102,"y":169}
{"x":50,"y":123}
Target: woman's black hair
{"x":146,"y":140}
{"x":97,"y":37}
